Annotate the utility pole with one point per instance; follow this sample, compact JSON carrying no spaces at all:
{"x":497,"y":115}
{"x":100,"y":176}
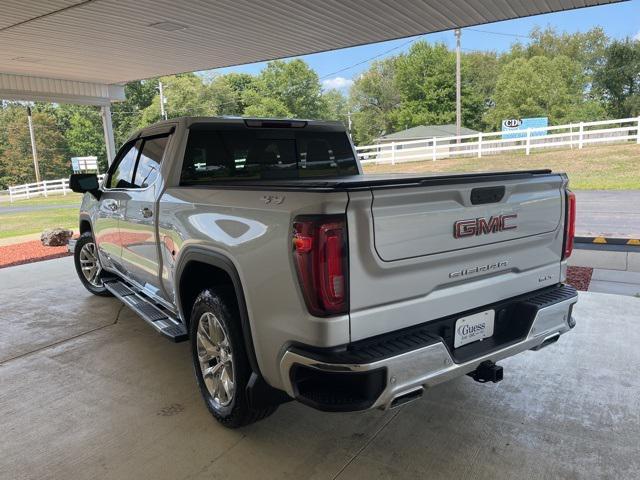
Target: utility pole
{"x":349,"y":122}
{"x":33,"y":146}
{"x":163,"y":100}
{"x":458,"y":89}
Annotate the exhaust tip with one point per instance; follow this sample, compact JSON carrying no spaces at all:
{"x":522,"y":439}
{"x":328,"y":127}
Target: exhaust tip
{"x":407,"y":397}
{"x":547,"y":341}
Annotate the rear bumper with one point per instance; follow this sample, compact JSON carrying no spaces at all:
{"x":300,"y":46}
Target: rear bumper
{"x":380,"y":372}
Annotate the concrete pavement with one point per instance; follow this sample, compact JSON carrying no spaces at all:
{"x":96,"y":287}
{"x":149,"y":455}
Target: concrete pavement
{"x":89,"y":391}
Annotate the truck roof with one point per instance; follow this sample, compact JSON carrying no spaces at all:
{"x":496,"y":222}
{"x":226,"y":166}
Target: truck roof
{"x":250,"y":122}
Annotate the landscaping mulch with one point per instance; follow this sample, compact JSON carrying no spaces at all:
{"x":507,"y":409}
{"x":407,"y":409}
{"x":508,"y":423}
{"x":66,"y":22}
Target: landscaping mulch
{"x":27,"y":252}
{"x":579,"y":277}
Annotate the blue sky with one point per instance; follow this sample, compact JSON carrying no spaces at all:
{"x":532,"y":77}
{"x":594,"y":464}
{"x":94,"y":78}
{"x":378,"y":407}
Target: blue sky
{"x":619,"y":20}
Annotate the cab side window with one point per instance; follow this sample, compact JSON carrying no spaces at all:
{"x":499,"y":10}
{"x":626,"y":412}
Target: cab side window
{"x":121,"y":172}
{"x":149,"y":163}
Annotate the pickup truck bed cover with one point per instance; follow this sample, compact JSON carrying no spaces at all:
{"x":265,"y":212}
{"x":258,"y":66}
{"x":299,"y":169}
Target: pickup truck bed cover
{"x":363,"y":182}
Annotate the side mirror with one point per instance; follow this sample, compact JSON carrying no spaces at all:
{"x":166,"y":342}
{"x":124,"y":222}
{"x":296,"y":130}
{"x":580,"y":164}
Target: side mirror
{"x":85,"y":182}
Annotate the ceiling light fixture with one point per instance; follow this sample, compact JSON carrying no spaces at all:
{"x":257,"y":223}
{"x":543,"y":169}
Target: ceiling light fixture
{"x":168,"y":26}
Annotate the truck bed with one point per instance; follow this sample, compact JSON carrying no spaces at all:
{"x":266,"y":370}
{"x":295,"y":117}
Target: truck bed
{"x":363,"y":182}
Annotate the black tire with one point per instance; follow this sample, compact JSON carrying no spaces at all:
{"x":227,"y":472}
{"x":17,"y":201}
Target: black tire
{"x":237,"y":412}
{"x":85,"y":241}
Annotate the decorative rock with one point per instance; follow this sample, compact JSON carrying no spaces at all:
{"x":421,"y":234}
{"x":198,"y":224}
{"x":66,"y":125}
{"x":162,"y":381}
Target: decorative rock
{"x":56,"y":237}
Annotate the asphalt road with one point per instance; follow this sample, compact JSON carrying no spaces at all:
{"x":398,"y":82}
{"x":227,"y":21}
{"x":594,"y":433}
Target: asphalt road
{"x":609,"y":213}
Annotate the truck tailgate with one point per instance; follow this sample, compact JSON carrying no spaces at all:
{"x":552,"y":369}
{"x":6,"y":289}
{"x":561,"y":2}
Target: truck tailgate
{"x":419,"y":253}
{"x":422,"y":221}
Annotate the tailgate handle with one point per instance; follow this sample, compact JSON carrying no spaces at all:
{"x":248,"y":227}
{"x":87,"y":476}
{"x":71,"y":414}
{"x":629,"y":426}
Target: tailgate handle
{"x":484,"y":195}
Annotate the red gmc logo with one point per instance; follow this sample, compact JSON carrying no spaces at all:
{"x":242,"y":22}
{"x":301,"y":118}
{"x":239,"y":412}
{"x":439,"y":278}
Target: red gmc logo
{"x":482,"y":226}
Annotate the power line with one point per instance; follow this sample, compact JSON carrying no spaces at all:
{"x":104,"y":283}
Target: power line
{"x":372,"y":58}
{"x":504,"y":34}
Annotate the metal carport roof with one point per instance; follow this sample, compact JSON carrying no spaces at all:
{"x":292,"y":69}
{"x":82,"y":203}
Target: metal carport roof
{"x":115,"y":41}
{"x":80,"y":50}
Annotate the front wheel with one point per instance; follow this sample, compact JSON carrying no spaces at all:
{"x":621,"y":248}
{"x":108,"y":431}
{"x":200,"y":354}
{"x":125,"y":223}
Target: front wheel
{"x":220,"y":361}
{"x":87,"y":262}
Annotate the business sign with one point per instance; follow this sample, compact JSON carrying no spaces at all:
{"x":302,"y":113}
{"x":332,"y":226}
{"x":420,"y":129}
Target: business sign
{"x":84,"y":164}
{"x":519,"y":127}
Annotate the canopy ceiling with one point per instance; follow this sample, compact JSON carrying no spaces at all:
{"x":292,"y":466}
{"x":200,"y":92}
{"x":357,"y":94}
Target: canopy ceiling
{"x":115,"y":41}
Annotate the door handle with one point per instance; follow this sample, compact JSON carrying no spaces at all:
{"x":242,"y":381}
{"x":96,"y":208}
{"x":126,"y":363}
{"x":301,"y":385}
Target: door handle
{"x":146,"y":212}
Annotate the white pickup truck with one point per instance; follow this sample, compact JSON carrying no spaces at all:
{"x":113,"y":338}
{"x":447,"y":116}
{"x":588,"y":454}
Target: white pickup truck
{"x":295,"y":276}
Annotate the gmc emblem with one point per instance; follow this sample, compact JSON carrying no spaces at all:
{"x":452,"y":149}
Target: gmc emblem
{"x":482,"y":226}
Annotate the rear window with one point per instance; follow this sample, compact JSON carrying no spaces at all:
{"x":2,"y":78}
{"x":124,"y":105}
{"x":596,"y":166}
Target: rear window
{"x":240,"y":153}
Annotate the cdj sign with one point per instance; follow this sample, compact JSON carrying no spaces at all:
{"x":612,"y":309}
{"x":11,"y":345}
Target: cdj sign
{"x":84,"y":164}
{"x":519,"y":127}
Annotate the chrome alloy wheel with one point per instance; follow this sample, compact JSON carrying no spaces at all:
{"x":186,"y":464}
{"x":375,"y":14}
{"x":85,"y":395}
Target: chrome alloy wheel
{"x":90,"y":264}
{"x":216,"y":359}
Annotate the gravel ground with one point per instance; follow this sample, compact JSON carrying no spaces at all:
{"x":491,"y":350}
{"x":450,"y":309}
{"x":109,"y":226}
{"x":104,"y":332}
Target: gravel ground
{"x":27,"y":252}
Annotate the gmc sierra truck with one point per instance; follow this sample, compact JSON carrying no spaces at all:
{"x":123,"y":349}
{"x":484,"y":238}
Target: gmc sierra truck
{"x":295,"y":276}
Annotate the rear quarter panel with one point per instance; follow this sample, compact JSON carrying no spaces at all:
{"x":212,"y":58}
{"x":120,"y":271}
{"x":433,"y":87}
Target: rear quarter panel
{"x":255,"y":235}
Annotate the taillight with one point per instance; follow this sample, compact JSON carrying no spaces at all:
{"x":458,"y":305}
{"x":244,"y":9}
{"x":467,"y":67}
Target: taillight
{"x":320,"y":256}
{"x":569,"y":225}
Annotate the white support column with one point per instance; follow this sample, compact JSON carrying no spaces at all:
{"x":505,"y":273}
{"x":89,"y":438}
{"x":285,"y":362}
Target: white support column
{"x":433,"y":149}
{"x":393,"y":153}
{"x":108,"y":133}
{"x":638,"y":132}
{"x":480,"y":145}
{"x":528,"y":145}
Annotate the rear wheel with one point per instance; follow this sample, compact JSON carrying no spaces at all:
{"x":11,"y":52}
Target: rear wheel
{"x":88,"y":266}
{"x":220,"y":361}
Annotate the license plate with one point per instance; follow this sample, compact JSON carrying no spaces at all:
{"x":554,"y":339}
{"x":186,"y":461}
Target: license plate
{"x":474,"y":327}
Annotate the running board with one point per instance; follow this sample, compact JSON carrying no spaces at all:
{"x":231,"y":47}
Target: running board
{"x":155,"y":316}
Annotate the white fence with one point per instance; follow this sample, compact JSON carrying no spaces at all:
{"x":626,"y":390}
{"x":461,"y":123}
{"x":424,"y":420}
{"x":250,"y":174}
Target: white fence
{"x":577,"y":135}
{"x":46,"y":188}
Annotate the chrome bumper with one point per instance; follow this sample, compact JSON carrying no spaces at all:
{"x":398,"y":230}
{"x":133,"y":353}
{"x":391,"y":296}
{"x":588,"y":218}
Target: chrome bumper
{"x":433,"y":364}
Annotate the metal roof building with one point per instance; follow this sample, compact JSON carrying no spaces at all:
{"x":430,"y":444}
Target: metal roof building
{"x":422,"y":132}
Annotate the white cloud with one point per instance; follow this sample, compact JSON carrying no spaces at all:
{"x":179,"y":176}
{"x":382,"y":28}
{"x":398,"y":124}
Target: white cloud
{"x":339,"y":83}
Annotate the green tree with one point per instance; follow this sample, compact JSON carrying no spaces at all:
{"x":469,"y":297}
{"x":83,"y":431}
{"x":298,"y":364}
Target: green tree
{"x":16,"y":161}
{"x":373,"y":98}
{"x":618,"y":81}
{"x":539,"y":86}
{"x":238,"y":83}
{"x":127,"y":114}
{"x":292,"y":85}
{"x":264,"y":106}
{"x":83,"y":131}
{"x":425,"y":78}
{"x":336,"y":107}
{"x":480,"y":72}
{"x":186,"y":95}
{"x":586,"y":48}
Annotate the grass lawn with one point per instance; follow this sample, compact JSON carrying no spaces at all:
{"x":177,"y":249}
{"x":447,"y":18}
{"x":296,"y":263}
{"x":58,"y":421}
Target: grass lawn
{"x":68,"y":199}
{"x":609,"y":167}
{"x":14,"y":224}
{"x":24,"y":223}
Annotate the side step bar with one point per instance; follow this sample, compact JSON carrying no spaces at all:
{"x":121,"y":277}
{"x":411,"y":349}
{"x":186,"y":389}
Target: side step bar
{"x":155,"y":316}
